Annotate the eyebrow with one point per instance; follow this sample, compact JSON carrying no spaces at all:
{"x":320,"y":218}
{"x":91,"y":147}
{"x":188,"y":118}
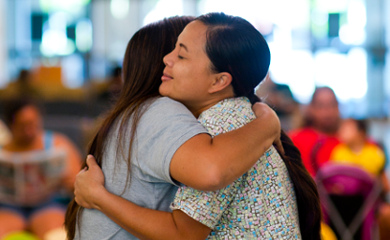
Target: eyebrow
{"x":183,"y":46}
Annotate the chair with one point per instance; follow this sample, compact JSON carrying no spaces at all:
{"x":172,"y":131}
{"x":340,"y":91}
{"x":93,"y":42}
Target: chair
{"x":349,"y":198}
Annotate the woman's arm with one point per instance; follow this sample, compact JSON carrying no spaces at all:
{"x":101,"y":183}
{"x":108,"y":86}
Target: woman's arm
{"x":152,"y":224}
{"x":142,"y":222}
{"x":210,"y":164}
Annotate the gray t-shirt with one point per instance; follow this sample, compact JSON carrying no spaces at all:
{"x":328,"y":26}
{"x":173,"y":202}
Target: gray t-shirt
{"x":164,"y":127}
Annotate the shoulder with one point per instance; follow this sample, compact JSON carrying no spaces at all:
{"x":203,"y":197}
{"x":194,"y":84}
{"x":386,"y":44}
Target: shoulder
{"x":230,"y":108}
{"x":303,"y":132}
{"x":339,"y":149}
{"x":163,"y":113}
{"x":165,"y":102}
{"x":166,"y":106}
{"x":227,"y":115}
{"x":304,"y":135}
{"x":56,"y":136}
{"x":59,"y":139}
{"x":374,"y":149}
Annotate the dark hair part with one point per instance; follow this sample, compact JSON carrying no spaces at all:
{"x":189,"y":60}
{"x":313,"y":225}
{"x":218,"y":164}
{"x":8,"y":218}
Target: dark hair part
{"x":235,"y":46}
{"x":13,"y":106}
{"x":142,"y":69}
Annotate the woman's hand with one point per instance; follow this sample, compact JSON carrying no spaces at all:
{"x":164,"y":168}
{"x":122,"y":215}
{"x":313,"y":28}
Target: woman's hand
{"x":263,"y":110}
{"x":89,"y":184}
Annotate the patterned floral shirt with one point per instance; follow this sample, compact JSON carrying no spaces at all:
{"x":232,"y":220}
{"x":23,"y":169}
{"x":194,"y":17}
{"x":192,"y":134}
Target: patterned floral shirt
{"x":260,"y":204}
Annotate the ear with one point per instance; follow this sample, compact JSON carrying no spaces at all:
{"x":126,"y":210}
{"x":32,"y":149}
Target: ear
{"x":221,"y":81}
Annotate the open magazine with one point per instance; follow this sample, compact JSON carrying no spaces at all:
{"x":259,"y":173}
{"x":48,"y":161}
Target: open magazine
{"x":30,"y":178}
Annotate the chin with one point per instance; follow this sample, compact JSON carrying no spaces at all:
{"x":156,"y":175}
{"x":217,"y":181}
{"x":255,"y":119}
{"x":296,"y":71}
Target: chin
{"x":163,"y":91}
{"x":164,"y":94}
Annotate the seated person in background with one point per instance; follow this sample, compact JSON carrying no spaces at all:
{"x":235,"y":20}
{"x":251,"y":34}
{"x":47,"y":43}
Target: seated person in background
{"x":318,"y":136}
{"x":281,"y":99}
{"x":358,"y":149}
{"x":21,"y":87}
{"x":24,"y":120}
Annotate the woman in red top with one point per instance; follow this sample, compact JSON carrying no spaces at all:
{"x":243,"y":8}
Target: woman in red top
{"x":318,"y":137}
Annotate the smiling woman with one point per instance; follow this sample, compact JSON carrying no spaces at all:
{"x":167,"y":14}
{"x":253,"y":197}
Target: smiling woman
{"x":188,"y":76}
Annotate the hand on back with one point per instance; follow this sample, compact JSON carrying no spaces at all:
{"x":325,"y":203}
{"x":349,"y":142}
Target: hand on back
{"x":89,"y":183}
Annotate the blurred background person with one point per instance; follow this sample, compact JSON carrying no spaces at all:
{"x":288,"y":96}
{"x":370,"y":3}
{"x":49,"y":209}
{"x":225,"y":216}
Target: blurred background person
{"x":357,"y":148}
{"x":22,"y":87}
{"x":114,"y":85}
{"x":318,"y":136}
{"x":281,"y":99}
{"x":24,"y":119}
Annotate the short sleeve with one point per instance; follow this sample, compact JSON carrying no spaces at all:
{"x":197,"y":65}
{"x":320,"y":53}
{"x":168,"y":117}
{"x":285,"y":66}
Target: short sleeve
{"x":163,"y":128}
{"x":205,"y":207}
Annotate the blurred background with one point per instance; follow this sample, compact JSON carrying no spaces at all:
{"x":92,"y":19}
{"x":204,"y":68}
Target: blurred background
{"x":69,"y":52}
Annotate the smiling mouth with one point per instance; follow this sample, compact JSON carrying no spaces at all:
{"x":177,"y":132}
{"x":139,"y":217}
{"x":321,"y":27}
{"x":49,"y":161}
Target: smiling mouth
{"x":166,"y":77}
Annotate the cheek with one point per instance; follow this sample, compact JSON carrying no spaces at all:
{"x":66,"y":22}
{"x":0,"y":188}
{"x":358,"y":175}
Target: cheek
{"x":170,"y":89}
{"x":188,"y":73}
{"x":347,"y":133}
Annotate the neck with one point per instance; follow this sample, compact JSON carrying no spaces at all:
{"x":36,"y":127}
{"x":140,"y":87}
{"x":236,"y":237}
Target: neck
{"x":198,"y":110}
{"x":357,"y":145}
{"x":214,"y":99}
{"x":21,"y":146}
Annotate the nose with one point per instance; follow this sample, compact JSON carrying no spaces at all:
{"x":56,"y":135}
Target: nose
{"x":168,"y":60}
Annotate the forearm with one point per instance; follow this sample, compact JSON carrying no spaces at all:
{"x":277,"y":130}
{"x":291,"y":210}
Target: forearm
{"x":146,"y":223}
{"x":211,"y":164}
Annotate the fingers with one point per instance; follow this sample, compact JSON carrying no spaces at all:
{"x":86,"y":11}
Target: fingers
{"x":259,"y":108}
{"x":80,"y":202}
{"x":83,"y":170}
{"x":263,"y":110}
{"x":91,"y":161}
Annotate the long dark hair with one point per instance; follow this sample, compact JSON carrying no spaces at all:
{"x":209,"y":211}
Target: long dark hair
{"x":142,"y":70}
{"x":233,"y":45}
